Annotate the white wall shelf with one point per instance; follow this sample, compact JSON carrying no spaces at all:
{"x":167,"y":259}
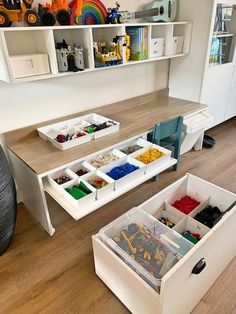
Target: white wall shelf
{"x":31,"y":40}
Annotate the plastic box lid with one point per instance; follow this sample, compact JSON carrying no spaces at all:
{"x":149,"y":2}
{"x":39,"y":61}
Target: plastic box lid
{"x":146,"y":245}
{"x":197,"y":122}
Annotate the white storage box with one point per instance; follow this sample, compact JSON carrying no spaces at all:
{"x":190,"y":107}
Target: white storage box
{"x":193,"y":130}
{"x":145,"y":245}
{"x":29,"y":65}
{"x":177,"y":44}
{"x":157,"y":47}
{"x":194,"y":273}
{"x":126,"y":180}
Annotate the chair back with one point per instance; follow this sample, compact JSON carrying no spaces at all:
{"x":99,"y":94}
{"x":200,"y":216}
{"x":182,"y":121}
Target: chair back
{"x":164,"y":129}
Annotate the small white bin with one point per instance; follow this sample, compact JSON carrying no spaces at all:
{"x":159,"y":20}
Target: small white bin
{"x":126,"y":180}
{"x":193,"y":130}
{"x":106,"y":190}
{"x":55,"y":175}
{"x":158,"y":162}
{"x":85,"y":201}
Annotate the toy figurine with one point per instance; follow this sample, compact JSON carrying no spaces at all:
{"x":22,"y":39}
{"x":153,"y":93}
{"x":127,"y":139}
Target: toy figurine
{"x":114,"y":16}
{"x":69,"y":59}
{"x":127,"y":45}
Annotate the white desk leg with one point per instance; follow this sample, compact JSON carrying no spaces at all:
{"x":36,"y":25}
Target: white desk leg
{"x":32,"y":192}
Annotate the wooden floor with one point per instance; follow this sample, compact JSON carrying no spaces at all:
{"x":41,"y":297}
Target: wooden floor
{"x":43,"y":274}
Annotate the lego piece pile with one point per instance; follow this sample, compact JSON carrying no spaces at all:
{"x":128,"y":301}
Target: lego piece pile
{"x":191,"y":236}
{"x":186,"y":204}
{"x":208,"y":216}
{"x":62,"y":138}
{"x":131,"y":149}
{"x":81,"y":172}
{"x":97,"y":183}
{"x":62,"y":179}
{"x":98,"y":127}
{"x":166,"y":221}
{"x":145,"y":248}
{"x":78,"y":191}
{"x":122,"y":171}
{"x":103,"y":160}
{"x":149,"y":156}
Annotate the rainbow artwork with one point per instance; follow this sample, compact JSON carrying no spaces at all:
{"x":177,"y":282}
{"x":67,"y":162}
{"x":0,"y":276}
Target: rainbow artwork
{"x":93,"y":12}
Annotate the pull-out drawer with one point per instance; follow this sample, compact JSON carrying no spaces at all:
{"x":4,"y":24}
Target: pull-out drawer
{"x":184,"y":285}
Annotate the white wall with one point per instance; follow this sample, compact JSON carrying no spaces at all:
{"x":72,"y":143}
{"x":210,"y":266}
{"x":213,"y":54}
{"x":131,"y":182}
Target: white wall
{"x":29,"y":103}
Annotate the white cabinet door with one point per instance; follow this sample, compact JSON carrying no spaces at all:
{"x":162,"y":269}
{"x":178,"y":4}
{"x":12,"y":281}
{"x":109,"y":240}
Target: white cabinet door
{"x":215,"y":91}
{"x":231,"y":106}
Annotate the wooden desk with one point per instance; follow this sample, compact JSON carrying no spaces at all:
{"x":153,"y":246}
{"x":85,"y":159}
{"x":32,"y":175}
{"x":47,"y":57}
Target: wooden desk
{"x":33,"y":158}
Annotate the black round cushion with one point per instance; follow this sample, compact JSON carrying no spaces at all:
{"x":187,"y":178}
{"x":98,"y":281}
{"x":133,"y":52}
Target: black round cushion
{"x":208,"y":141}
{"x":7,"y":204}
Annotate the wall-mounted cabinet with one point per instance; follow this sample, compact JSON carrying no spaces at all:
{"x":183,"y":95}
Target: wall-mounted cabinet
{"x":28,"y":45}
{"x":207,"y":74}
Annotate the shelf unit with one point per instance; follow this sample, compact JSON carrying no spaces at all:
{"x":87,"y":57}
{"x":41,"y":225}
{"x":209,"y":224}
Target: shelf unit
{"x":31,"y":40}
{"x":208,"y":74}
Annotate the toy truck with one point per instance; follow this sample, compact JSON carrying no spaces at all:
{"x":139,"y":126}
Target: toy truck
{"x":17,"y":11}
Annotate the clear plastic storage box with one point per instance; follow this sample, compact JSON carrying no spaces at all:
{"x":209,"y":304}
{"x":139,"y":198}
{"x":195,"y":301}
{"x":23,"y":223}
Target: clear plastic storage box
{"x":147,"y":246}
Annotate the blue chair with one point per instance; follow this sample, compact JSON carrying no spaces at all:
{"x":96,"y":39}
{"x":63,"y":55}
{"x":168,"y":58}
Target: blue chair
{"x":168,"y":134}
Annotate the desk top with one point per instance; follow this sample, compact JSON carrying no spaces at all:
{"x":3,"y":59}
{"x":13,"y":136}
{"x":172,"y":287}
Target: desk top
{"x":136,"y":116}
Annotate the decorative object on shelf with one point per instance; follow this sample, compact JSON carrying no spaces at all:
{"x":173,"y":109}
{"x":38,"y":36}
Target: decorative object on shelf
{"x":93,"y":12}
{"x":127,"y":47}
{"x":138,"y":42}
{"x":57,"y":10}
{"x":68,"y":58}
{"x":17,"y":11}
{"x":114,"y":16}
{"x":7,"y":204}
{"x":108,"y":54}
{"x":156,"y":11}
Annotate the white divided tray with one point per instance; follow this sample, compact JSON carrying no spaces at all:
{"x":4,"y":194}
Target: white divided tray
{"x":135,"y":175}
{"x":103,"y":192}
{"x":50,"y":132}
